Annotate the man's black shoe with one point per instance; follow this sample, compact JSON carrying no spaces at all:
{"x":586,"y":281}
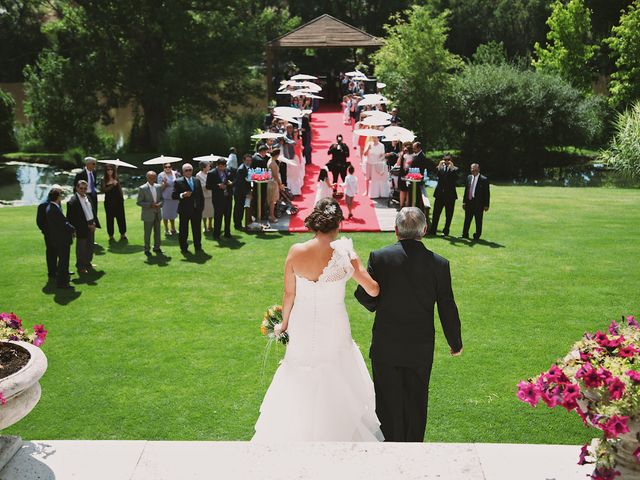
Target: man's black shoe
{"x":147,"y":253}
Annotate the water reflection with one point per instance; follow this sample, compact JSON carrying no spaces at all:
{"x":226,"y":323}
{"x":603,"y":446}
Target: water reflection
{"x":29,"y":183}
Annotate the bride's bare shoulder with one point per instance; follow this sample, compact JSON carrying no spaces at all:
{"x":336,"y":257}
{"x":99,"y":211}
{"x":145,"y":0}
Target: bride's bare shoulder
{"x":299,"y":249}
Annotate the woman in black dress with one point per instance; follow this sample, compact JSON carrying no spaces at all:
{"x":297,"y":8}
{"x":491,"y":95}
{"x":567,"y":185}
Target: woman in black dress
{"x":113,"y":202}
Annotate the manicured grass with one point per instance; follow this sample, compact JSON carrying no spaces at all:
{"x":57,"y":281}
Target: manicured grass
{"x":174,"y":352}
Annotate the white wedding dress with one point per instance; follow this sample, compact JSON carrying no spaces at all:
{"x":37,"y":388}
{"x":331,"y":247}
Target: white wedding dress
{"x":322,"y":390}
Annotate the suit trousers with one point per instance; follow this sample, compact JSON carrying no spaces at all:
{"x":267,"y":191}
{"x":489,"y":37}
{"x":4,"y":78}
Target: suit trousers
{"x":402,"y":398}
{"x":472,"y":211}
{"x":183,"y":232}
{"x":52,"y":256}
{"x":222,"y":208}
{"x":115,"y":212}
{"x":84,"y":251}
{"x":449,"y":207}
{"x":155,"y":226}
{"x":238,"y":209}
{"x":62,"y":267}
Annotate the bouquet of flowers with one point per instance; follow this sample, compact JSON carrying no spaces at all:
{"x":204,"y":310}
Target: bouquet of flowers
{"x":600,"y":380}
{"x":259,"y":175}
{"x":271,"y":326}
{"x":11,"y":330}
{"x":414,"y":175}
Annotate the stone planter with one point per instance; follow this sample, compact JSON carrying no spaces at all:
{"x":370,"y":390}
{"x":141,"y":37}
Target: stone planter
{"x":22,"y":389}
{"x":626,"y":463}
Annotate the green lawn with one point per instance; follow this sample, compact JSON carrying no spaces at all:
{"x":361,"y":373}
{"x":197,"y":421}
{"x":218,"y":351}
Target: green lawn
{"x":173,"y":351}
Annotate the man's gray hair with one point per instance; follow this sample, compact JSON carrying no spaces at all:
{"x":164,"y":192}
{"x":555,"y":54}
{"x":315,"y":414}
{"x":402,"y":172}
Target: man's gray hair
{"x":88,"y":160}
{"x":410,"y":223}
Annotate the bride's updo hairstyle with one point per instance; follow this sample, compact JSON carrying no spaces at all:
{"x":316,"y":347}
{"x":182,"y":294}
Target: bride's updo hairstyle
{"x":325,"y":217}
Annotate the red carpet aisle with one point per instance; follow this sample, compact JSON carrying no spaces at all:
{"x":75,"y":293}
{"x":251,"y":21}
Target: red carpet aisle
{"x":326,"y":124}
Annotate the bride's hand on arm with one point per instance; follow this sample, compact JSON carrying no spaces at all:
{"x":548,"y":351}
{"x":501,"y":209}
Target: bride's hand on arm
{"x":289,"y":289}
{"x":364,"y":279}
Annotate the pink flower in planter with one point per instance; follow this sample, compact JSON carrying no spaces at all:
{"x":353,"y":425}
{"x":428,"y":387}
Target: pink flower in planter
{"x":604,"y":374}
{"x":3,"y":400}
{"x":602,"y":339}
{"x":637,"y":454}
{"x":604,"y":474}
{"x":585,"y":356}
{"x":613,"y":328}
{"x":11,"y":319}
{"x":527,"y":392}
{"x":615,"y":426}
{"x":555,"y":374}
{"x":590,"y":376}
{"x":616,"y":342}
{"x":616,"y":388}
{"x":628,"y":351}
{"x":632,"y":322}
{"x":41,"y":335}
{"x":571,"y":392}
{"x":634,"y":375}
{"x":584,"y":452}
{"x":551,"y":396}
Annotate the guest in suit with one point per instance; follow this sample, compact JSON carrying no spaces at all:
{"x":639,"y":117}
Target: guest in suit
{"x":261,"y":157}
{"x":88,"y":174}
{"x":412,"y":280}
{"x":445,"y":194}
{"x":50,"y":249}
{"x":241,"y":190}
{"x":219,"y":181}
{"x":475,"y":201}
{"x":60,"y":236}
{"x":189,"y":191}
{"x":81,"y":213}
{"x":338,"y":164}
{"x":150,"y":199}
{"x":114,"y":202}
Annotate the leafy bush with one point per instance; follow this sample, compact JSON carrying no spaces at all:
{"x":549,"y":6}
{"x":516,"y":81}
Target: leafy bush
{"x":624,"y":152}
{"x":624,"y":42}
{"x":73,"y":157}
{"x":7,"y":119}
{"x":28,"y":140}
{"x":505,"y":117}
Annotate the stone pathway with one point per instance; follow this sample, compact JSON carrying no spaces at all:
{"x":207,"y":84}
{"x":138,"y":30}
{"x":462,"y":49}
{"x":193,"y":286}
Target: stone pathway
{"x":157,"y":460}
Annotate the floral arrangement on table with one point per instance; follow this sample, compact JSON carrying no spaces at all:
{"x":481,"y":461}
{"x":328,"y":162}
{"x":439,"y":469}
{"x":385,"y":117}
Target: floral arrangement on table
{"x":600,"y":380}
{"x":11,"y":330}
{"x":259,"y":175}
{"x":414,"y":175}
{"x":271,"y":326}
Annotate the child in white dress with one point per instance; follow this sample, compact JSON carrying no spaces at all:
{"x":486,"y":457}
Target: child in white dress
{"x":350,"y":186}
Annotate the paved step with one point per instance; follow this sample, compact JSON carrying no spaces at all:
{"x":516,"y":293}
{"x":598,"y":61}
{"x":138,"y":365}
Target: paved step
{"x":157,"y":460}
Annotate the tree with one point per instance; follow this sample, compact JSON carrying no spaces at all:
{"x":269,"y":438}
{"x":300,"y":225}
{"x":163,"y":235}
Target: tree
{"x":625,"y":46}
{"x":177,"y":57}
{"x":7,"y":119}
{"x":418,"y":69}
{"x":569,"y":50}
{"x":624,"y":152}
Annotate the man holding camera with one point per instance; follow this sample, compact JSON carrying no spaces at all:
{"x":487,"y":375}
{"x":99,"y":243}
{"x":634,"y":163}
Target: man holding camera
{"x":338,"y":164}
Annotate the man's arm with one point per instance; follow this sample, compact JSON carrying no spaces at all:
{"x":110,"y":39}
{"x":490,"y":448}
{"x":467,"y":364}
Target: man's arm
{"x":142,"y":200}
{"x":366,"y":300}
{"x":447,"y":308}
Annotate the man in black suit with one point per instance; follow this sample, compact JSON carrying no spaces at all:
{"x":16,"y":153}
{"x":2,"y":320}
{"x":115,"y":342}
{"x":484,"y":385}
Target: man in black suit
{"x":261,"y":157}
{"x":82,"y":214}
{"x":306,"y":138}
{"x":412,"y":279}
{"x":338,"y":164}
{"x":189,"y":191}
{"x":445,"y":194}
{"x":241,"y":189}
{"x":475,"y":201}
{"x":220,"y":182}
{"x":88,"y":174}
{"x":50,"y":252}
{"x":58,"y":237}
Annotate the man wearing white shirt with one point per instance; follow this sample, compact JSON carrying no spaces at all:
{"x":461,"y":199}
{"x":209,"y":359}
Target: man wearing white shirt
{"x":150,"y":199}
{"x":81,"y":213}
{"x":475,"y":201}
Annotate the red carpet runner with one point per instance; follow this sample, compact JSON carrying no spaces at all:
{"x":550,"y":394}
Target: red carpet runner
{"x":326,"y":124}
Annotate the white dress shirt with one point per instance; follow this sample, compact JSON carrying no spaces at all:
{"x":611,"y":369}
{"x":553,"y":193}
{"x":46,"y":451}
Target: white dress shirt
{"x":472,"y":187}
{"x":86,"y":207}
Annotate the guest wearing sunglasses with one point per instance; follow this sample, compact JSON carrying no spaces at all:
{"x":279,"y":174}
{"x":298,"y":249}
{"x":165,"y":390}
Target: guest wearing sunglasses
{"x":114,"y":202}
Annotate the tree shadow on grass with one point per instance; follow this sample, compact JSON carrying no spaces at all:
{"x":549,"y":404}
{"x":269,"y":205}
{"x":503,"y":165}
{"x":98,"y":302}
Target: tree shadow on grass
{"x":200,"y":257}
{"x":61,"y":296}
{"x":90,"y":278}
{"x":160,"y":260}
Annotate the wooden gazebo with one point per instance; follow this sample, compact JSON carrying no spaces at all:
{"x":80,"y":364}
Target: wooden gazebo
{"x":322,"y":32}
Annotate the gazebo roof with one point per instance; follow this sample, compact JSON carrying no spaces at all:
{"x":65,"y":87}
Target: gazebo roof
{"x":325,"y":32}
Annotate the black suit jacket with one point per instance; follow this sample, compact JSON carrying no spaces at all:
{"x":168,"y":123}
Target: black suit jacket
{"x":446,"y":188}
{"x":41,"y":217}
{"x":83,"y":176}
{"x":192,"y":205}
{"x":75,"y":215}
{"x":59,"y":230}
{"x":338,"y":155}
{"x":412,"y":280}
{"x":241,"y":186}
{"x":213,"y":180}
{"x":258,"y":162}
{"x":482,"y":194}
{"x":421,"y":162}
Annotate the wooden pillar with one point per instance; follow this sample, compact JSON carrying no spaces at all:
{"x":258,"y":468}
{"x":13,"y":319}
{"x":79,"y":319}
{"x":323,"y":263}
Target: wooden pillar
{"x":270,"y":92}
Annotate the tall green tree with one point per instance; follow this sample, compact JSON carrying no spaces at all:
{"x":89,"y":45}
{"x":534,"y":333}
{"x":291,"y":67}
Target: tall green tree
{"x":625,"y":47}
{"x":168,"y":58}
{"x":569,"y":50}
{"x":7,"y":119}
{"x":418,"y":69}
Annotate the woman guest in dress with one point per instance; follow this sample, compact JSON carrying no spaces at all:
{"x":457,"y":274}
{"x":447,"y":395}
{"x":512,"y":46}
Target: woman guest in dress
{"x":275,"y":185}
{"x":324,"y":188}
{"x":169,"y":206}
{"x":404,"y":162}
{"x":114,"y":202}
{"x":377,"y":169}
{"x":207,"y":212}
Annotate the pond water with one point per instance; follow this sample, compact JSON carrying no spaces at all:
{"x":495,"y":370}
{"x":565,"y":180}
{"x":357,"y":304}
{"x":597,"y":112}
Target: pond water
{"x":29,"y":183}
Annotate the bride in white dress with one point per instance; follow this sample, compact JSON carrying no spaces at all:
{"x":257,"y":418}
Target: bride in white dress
{"x":322,"y":390}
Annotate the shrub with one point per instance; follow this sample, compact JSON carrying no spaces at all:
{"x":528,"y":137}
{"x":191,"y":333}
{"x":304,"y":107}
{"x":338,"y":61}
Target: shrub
{"x":73,"y":157}
{"x":7,"y":119}
{"x":505,"y":117}
{"x":623,"y":153}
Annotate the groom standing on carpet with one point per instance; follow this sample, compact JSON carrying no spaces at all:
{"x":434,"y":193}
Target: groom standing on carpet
{"x":412,"y":279}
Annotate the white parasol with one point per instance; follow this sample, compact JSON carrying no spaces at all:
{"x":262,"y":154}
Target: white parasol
{"x":314,"y":87}
{"x":161,"y":160}
{"x":381,"y":85}
{"x":117,"y":162}
{"x":287,"y":119}
{"x":375,"y":120}
{"x":267,"y":135}
{"x":288,"y":112}
{"x":398,"y":133}
{"x":368,"y":132}
{"x":208,"y":158}
{"x":376,"y":113}
{"x":303,"y":76}
{"x":373,"y":101}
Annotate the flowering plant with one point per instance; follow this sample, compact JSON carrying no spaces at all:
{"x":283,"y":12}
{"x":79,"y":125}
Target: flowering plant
{"x":600,"y":380}
{"x":271,"y":326}
{"x":11,"y":330}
